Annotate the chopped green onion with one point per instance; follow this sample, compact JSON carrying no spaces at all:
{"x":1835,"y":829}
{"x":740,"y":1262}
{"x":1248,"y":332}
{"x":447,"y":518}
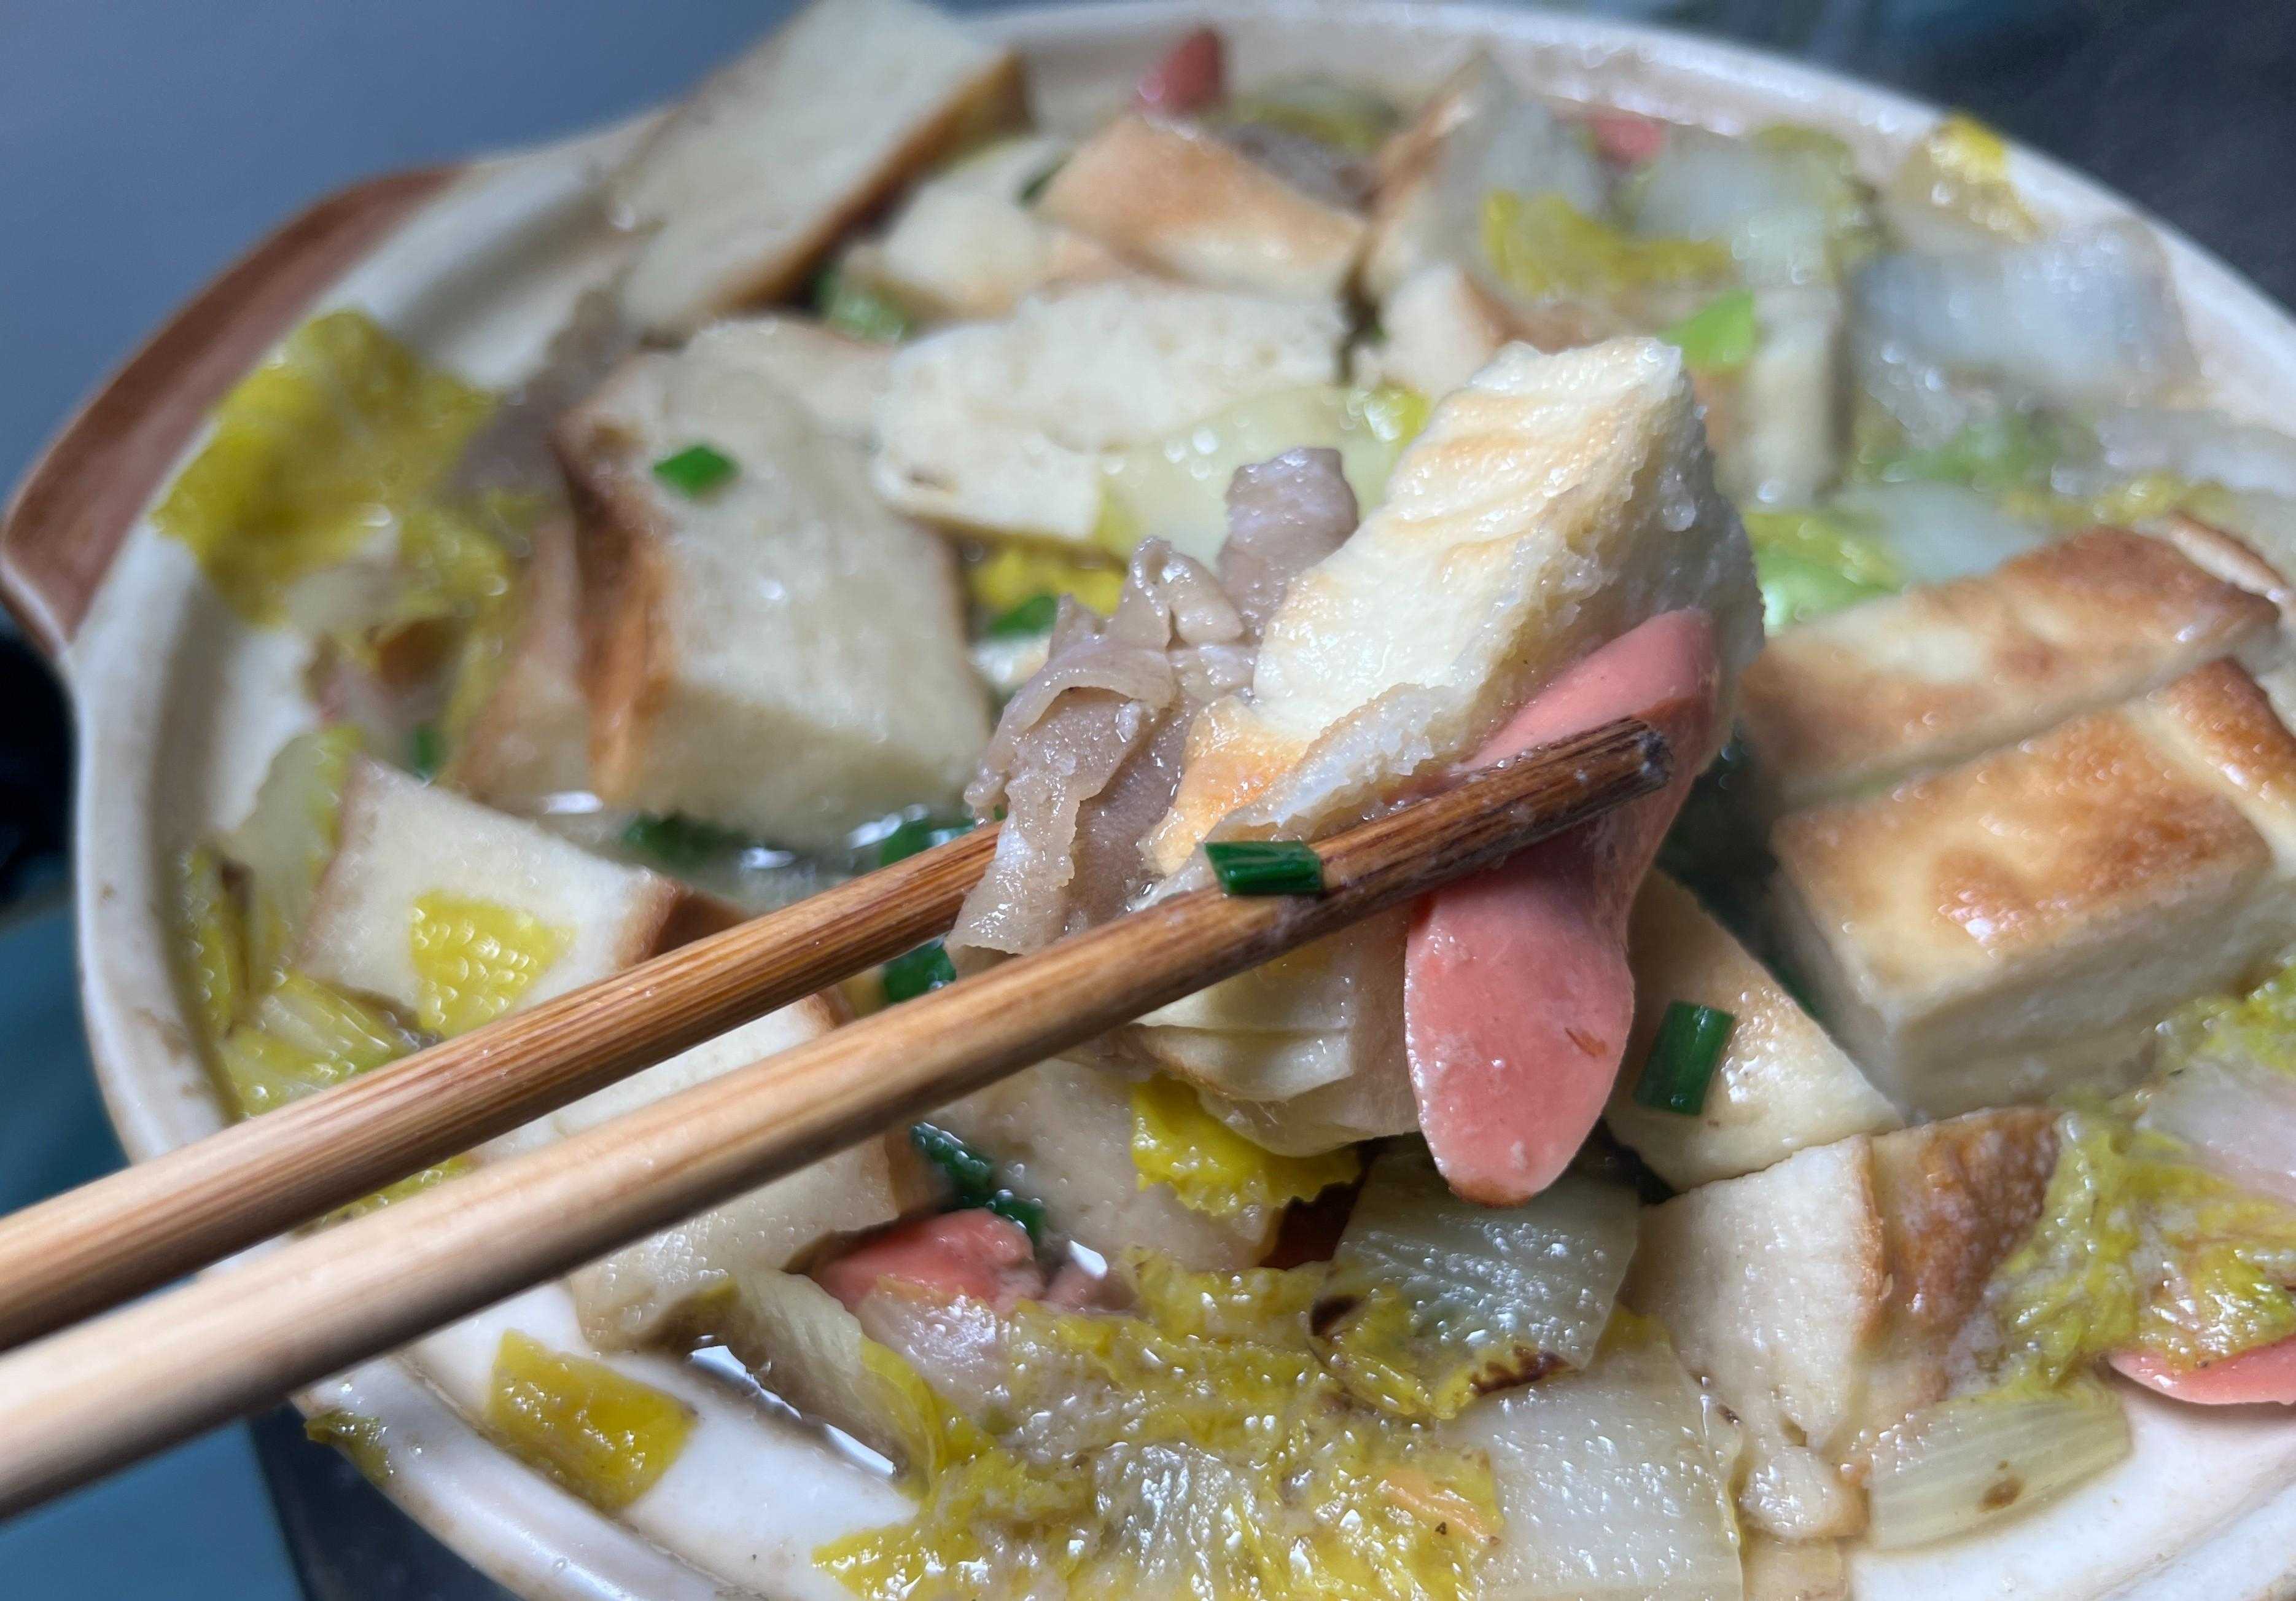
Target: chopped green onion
{"x":694,"y":471}
{"x":1266,"y":867}
{"x":1034,"y":615}
{"x":1719,"y":337}
{"x":926,"y":968}
{"x":680,"y":842}
{"x":1034,"y":189}
{"x":426,"y":751}
{"x":973,"y":1179}
{"x":918,"y":833}
{"x":1682,"y":1057}
{"x":857,"y":309}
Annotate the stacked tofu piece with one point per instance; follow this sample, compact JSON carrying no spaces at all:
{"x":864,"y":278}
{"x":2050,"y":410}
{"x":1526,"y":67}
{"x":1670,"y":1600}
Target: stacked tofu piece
{"x":2024,"y":814}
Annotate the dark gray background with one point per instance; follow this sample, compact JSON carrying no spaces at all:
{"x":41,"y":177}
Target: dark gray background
{"x":144,"y":143}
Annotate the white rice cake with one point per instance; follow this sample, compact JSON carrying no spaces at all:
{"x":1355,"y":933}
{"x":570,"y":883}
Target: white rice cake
{"x":1865,"y":697}
{"x":2014,"y":926}
{"x":1189,"y":204}
{"x":1003,"y":427}
{"x":778,"y":654}
{"x":530,"y":736}
{"x":400,"y":839}
{"x":750,"y":181}
{"x":1819,"y":1298}
{"x":1782,"y":1085}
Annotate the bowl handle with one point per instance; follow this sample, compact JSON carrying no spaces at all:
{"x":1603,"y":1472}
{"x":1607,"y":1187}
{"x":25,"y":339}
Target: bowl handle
{"x":73,"y":508}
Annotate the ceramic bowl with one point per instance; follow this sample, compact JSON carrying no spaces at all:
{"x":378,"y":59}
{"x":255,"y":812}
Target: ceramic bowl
{"x":179,"y":706}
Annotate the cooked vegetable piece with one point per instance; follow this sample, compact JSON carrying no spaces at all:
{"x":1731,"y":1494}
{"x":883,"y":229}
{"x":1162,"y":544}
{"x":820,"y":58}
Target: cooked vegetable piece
{"x":1954,"y":1468}
{"x":696,"y":470}
{"x":1682,"y":1057}
{"x":1266,"y":867}
{"x":1346,"y":116}
{"x":746,"y":184}
{"x":302,"y":1036}
{"x":286,"y":842}
{"x":679,"y":843}
{"x":972,"y":1179}
{"x":1210,"y":1167}
{"x":912,"y":835}
{"x":1720,"y":336}
{"x":926,"y":968}
{"x":1433,"y":1301}
{"x":603,"y":1436}
{"x":1032,"y":616}
{"x":1614,"y":1482}
{"x":338,"y":435}
{"x":357,"y":1436}
{"x":1813,"y":562}
{"x":211,"y":934}
{"x":1013,"y":575}
{"x":1953,"y":190}
{"x":1544,"y":248}
{"x":474,"y":959}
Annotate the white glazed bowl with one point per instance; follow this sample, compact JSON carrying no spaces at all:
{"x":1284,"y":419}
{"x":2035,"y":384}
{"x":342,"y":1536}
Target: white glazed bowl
{"x":179,"y":707}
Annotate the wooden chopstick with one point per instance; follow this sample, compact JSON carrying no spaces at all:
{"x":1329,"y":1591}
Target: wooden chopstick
{"x":110,"y":1241}
{"x":98,"y":1395}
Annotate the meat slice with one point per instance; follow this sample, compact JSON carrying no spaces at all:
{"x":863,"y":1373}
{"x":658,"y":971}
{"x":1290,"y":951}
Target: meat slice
{"x":2265,"y":1374}
{"x":1517,"y":997}
{"x":971,"y":1252}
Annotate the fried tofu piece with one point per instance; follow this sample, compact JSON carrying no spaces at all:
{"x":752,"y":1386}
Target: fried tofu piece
{"x":1003,"y":427}
{"x":401,"y":840}
{"x":530,"y":738}
{"x":1782,"y":1085}
{"x":1440,"y":330}
{"x":2014,"y":926}
{"x":777,"y":654}
{"x":749,"y":182}
{"x":1819,"y":1298}
{"x":966,"y":244}
{"x":1551,"y":506}
{"x":836,"y":377}
{"x":1189,"y":204}
{"x":1862,"y":698}
{"x":651,"y":1292}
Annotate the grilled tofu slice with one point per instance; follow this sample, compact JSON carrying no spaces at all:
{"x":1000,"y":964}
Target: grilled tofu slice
{"x":411,"y":857}
{"x":652,"y":1292}
{"x":834,"y":376}
{"x":529,"y":736}
{"x":2014,"y":926}
{"x":1550,"y":505}
{"x":1188,"y":204}
{"x":1819,"y":1298}
{"x":967,"y":244}
{"x":1782,"y":1085}
{"x":748,"y":183}
{"x":1862,"y":698}
{"x":779,"y":654}
{"x":1003,"y":427}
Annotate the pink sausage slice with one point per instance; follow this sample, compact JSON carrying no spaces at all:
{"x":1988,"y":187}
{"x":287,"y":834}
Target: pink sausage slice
{"x":1192,"y":77}
{"x":1517,"y":998}
{"x":2266,"y":1373}
{"x":975,"y":1254}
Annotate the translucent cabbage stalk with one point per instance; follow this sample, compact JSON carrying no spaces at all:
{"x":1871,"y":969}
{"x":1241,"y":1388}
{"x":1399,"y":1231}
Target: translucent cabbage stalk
{"x":1954,"y":1468}
{"x":1953,"y":192}
{"x":1615,"y":1482}
{"x":2240,"y":1117}
{"x":1786,"y":200}
{"x":287,"y":840}
{"x":1936,"y":532}
{"x":2206,"y":446}
{"x":1175,"y":488}
{"x":1433,"y":1301}
{"x":2085,"y":318}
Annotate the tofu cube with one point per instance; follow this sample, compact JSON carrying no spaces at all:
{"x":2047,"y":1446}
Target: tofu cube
{"x":1191,"y":205}
{"x":401,"y":840}
{"x":2014,"y":926}
{"x":748,"y":183}
{"x":1782,"y":1085}
{"x":777,"y":654}
{"x":836,"y":377}
{"x":1005,"y":427}
{"x":530,"y":736}
{"x":1862,"y":698}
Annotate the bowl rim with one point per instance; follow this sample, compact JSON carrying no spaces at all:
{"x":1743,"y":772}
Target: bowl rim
{"x":481,"y":1504}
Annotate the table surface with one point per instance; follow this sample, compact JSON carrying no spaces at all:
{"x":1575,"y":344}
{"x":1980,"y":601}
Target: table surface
{"x":148,"y":142}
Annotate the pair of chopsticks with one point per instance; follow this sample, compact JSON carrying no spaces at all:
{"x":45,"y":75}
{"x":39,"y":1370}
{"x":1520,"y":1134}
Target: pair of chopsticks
{"x":91,"y":1397}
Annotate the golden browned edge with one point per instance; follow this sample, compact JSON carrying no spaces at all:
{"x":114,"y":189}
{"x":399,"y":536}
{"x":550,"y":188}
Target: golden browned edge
{"x":72,"y":509}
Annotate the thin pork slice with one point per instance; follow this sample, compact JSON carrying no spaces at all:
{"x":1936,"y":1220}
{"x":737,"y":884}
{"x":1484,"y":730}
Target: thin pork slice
{"x":2265,"y":1374}
{"x":1517,"y":997}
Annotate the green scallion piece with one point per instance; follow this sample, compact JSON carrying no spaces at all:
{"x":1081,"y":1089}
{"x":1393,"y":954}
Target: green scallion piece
{"x":680,"y":842}
{"x":1034,"y":189}
{"x":426,"y":751}
{"x":1682,"y":1059}
{"x":925,"y":969}
{"x":1029,"y":1214}
{"x":1720,"y":336}
{"x":857,"y":309}
{"x":1266,"y":867}
{"x":973,"y":1180}
{"x":1034,"y":615}
{"x":914,"y":835}
{"x":694,"y":471}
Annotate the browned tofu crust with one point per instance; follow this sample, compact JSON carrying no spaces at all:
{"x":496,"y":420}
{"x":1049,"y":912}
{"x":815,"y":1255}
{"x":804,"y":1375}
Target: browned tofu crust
{"x":1937,"y":675}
